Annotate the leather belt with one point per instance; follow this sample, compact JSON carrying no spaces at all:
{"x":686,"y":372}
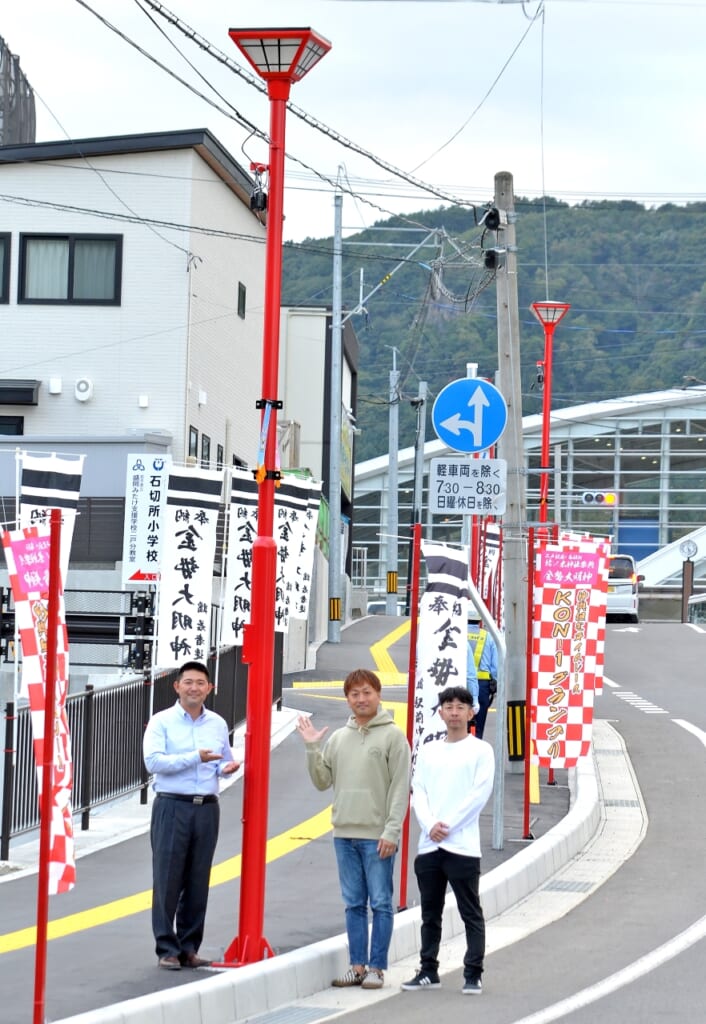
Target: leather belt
{"x":198,"y":798}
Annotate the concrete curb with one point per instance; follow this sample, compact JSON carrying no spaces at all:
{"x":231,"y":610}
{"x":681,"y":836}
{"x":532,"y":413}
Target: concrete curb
{"x":272,"y":984}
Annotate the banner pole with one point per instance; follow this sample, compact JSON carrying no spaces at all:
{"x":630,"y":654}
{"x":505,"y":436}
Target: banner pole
{"x":411,"y":685}
{"x":531,"y":560}
{"x":40,"y":970}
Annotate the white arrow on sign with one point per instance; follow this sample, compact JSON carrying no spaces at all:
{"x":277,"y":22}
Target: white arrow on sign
{"x":454,"y":424}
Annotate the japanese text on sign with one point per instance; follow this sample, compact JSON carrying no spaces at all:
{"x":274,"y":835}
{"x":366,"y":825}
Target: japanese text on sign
{"x":469,"y":487}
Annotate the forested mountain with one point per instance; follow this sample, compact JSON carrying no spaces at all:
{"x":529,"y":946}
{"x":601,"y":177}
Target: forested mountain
{"x":634,"y":277}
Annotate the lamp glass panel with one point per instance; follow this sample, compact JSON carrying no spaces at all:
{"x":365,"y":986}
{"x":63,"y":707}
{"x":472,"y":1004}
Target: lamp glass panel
{"x":272,"y":55}
{"x":312,"y":54}
{"x":549,"y":314}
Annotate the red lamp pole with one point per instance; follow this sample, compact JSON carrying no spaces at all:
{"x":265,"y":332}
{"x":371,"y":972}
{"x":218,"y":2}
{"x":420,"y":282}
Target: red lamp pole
{"x":549,"y":314}
{"x":280,"y":57}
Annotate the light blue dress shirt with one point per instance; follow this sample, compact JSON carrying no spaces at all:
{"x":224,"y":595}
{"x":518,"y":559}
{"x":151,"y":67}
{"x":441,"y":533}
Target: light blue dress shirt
{"x":171,"y":748}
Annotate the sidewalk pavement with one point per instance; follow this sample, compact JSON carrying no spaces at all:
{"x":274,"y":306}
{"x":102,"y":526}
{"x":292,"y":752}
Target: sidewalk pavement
{"x":235,"y":995}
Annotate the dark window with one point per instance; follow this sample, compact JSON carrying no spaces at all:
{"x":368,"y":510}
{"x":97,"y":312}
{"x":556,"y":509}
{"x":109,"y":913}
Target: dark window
{"x":19,"y":392}
{"x":76,"y":269}
{"x":220,"y":456}
{"x":12,"y":425}
{"x":242,"y":292}
{"x":621,"y":567}
{"x":4,"y":267}
{"x":205,"y":451}
{"x":193,"y":442}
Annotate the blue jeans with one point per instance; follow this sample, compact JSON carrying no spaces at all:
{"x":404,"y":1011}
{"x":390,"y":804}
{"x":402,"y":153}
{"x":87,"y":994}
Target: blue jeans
{"x":365,"y":877}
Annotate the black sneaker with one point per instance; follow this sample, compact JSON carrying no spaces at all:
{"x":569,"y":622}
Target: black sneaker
{"x":472,"y":987}
{"x":422,"y":979}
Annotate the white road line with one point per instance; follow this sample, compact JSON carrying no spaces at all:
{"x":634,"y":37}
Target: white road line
{"x":649,"y":962}
{"x":696,"y":629}
{"x":693,"y":729}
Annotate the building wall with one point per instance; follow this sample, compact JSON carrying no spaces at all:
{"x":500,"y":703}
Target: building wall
{"x":225,"y":349}
{"x":127,"y":350}
{"x":302,"y":383}
{"x":175,"y":334}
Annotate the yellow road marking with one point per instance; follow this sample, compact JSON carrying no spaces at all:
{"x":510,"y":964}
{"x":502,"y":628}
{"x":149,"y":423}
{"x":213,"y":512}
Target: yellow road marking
{"x":227,"y":870}
{"x":381,"y":653}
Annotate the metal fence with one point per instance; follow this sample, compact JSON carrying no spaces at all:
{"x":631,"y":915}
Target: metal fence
{"x":106,"y":727}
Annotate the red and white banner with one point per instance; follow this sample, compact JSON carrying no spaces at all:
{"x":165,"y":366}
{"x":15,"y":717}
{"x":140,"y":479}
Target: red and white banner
{"x":188,"y":553}
{"x":442,"y":647}
{"x":27,"y":557}
{"x":568,"y":634}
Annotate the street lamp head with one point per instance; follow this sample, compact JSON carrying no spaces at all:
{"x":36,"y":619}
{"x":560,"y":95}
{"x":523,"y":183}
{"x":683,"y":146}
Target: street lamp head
{"x":283,"y":54}
{"x":550,"y":312}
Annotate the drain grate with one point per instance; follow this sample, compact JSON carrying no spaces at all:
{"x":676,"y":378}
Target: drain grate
{"x":559,"y":886}
{"x":293,"y":1015}
{"x":621,"y":803}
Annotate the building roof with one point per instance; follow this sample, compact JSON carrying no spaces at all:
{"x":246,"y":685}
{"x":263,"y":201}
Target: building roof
{"x":578,"y":420}
{"x":200,"y":139}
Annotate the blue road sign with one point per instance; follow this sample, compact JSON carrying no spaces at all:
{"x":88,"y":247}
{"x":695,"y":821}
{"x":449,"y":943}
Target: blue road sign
{"x":469,"y":414}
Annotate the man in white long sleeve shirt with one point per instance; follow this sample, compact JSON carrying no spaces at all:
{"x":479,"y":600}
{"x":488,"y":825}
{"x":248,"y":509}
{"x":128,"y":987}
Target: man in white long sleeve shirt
{"x":453,"y":779}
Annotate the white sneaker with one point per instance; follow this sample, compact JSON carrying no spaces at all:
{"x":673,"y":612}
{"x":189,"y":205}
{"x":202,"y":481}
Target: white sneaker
{"x":374,"y":978}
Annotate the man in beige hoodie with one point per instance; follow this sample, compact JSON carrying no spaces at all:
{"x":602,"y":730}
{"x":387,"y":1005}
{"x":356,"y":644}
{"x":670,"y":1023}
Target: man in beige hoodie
{"x":367,"y":762}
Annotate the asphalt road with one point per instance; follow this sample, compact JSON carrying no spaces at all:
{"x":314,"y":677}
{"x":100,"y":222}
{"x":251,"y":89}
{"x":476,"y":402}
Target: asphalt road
{"x":632,"y":953}
{"x":107,"y":954}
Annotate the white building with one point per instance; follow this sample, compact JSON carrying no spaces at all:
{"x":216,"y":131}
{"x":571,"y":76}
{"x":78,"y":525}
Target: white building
{"x":132,"y":286}
{"x":646,"y":453}
{"x":131,"y":297}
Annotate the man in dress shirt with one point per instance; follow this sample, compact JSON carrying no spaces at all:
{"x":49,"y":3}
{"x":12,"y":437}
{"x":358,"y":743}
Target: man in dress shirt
{"x":186,"y":748}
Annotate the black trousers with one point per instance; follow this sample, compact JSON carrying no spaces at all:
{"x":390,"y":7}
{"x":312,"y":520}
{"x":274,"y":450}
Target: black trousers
{"x":434,"y":871}
{"x":484,"y":702}
{"x":183,"y":837}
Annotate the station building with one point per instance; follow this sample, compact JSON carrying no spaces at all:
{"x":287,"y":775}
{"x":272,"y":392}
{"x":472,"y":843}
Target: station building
{"x":631,"y":468}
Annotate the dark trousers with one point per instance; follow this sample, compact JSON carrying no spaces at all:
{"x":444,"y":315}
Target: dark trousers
{"x":434,"y":871}
{"x":484,"y":702}
{"x":183,"y":837}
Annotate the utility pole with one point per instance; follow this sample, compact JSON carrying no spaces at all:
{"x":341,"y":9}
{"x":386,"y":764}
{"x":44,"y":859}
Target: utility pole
{"x":419,"y":441}
{"x":392,"y":541}
{"x":334,"y":475}
{"x":511,"y":448}
{"x":419,"y":404}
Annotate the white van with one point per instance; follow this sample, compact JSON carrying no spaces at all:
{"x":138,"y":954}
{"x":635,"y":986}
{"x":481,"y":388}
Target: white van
{"x":623,"y":587}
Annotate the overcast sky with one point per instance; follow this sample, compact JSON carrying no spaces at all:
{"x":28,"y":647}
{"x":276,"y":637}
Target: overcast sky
{"x":602,"y":98}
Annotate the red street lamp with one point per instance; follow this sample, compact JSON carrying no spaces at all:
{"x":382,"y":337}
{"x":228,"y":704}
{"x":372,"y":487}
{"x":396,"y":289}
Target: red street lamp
{"x":549,"y":314}
{"x":280,"y":57}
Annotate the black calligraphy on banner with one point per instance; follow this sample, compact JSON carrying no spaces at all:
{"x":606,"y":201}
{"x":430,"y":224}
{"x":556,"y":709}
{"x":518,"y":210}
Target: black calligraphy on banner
{"x":188,"y":553}
{"x":442,"y":646}
{"x":294,"y":529}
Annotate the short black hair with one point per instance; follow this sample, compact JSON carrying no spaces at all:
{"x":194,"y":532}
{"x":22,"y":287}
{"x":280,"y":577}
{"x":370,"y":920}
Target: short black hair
{"x":460,"y":693}
{"x":193,"y":666}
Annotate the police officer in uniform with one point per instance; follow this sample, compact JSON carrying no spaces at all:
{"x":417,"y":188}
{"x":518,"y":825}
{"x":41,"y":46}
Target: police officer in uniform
{"x":485,"y":656}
